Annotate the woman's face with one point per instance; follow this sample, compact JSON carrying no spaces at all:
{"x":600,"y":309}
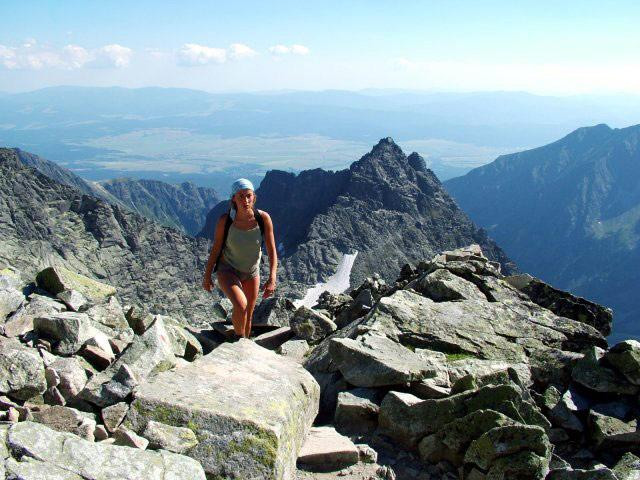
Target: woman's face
{"x":244,"y":199}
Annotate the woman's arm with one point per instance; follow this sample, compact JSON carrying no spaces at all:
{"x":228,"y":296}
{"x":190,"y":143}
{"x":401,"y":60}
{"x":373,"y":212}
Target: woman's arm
{"x":270,"y":242}
{"x":207,"y":282}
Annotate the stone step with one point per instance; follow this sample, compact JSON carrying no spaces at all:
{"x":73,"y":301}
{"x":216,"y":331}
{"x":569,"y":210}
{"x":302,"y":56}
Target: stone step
{"x":326,"y":450}
{"x":274,"y":338}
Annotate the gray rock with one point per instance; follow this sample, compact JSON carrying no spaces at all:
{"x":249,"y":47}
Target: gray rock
{"x":31,"y":469}
{"x":357,"y":411}
{"x":58,"y":279}
{"x":452,"y":441}
{"x":625,"y":358}
{"x":73,"y":377}
{"x":490,"y":330}
{"x":327,"y":450}
{"x":407,"y":419}
{"x":97,"y":461}
{"x":10,"y":300}
{"x":21,"y":321}
{"x":628,"y":467}
{"x":184,"y":343}
{"x":139,"y":320}
{"x":70,"y":330}
{"x":254,"y":429}
{"x":442,"y":286}
{"x":21,"y":370}
{"x":273,"y":312}
{"x":127,"y":438}
{"x":149,"y":353}
{"x":295,"y":348}
{"x":375,"y":361}
{"x":560,"y":410}
{"x":590,"y":373}
{"x":552,"y":366}
{"x":486,"y":372}
{"x":311,"y":325}
{"x":73,"y":299}
{"x":167,"y":437}
{"x":109,"y":313}
{"x":507,"y":440}
{"x":97,"y":357}
{"x":578,"y":474}
{"x":612,"y":432}
{"x":275,"y":338}
{"x":65,"y":419}
{"x":113,"y":415}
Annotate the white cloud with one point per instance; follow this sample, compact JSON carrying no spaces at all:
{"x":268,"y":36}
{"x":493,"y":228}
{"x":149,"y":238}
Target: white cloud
{"x":286,"y":50}
{"x":193,"y":54}
{"x":239,"y":50}
{"x":33,"y":56}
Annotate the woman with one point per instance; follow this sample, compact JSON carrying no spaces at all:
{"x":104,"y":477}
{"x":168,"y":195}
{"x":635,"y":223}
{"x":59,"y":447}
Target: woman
{"x":238,"y":257}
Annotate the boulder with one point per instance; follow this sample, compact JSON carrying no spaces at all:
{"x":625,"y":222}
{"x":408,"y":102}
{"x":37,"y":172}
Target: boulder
{"x":552,"y":366}
{"x":375,"y":361}
{"x":73,"y":299}
{"x":295,"y":348}
{"x":485,"y":372}
{"x":489,"y":330}
{"x":327,"y":450}
{"x":109,"y":314}
{"x":407,"y":419}
{"x":167,"y":437}
{"x":560,"y":410}
{"x":127,"y":438}
{"x":70,"y":331}
{"x":31,"y":469}
{"x":273,"y":339}
{"x":511,"y":441}
{"x":184,"y":343}
{"x":357,"y":411}
{"x":65,"y":419}
{"x":579,"y":474}
{"x":21,"y":370}
{"x":591,"y":373}
{"x":443,"y":286}
{"x":58,"y":279}
{"x":273,"y":312}
{"x":71,"y":374}
{"x":311,"y":325}
{"x":113,"y":415}
{"x":10,"y":300}
{"x":148,"y":354}
{"x":628,"y":467}
{"x":612,"y":432}
{"x":625,"y":358}
{"x":61,"y":451}
{"x":249,"y":408}
{"x":21,"y":321}
{"x":139,"y":320}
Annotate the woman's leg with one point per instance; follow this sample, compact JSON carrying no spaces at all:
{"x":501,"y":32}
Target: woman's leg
{"x":251,"y":288}
{"x":232,"y":287}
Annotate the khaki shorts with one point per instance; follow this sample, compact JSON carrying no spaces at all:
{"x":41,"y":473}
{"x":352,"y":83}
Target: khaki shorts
{"x":224,"y":267}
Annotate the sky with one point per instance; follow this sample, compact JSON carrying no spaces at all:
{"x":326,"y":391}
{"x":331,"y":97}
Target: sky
{"x":544,"y":47}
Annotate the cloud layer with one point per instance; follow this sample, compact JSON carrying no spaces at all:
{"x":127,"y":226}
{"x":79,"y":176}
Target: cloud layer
{"x":289,"y":50}
{"x":33,"y":56}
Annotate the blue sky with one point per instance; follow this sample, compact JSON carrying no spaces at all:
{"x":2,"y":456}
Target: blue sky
{"x":542,"y":47}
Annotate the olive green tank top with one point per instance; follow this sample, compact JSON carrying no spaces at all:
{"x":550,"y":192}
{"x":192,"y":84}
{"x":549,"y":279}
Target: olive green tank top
{"x":242,"y":250}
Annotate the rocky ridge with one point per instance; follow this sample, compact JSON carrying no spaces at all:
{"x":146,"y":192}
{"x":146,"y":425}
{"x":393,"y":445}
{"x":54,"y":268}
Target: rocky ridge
{"x":452,"y":371}
{"x":44,"y":223}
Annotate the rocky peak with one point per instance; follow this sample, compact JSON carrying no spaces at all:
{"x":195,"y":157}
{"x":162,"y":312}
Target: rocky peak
{"x":417,"y":162}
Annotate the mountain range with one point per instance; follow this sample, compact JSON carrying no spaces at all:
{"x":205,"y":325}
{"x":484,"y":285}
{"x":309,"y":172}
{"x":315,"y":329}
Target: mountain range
{"x":569,"y":213}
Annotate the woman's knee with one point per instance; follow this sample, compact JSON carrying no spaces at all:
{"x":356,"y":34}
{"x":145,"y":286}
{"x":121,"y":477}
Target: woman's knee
{"x":240,"y":305}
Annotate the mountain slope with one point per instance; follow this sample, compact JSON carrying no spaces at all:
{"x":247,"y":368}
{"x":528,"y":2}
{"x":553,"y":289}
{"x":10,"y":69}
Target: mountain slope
{"x":568,"y":212}
{"x":387,"y":206}
{"x":43,"y":222}
{"x":184,"y":206}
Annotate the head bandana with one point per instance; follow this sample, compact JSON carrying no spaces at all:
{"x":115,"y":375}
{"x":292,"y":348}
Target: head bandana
{"x":241,"y":184}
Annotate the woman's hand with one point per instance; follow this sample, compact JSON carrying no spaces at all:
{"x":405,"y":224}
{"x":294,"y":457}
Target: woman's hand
{"x":207,"y":283}
{"x":269,"y":287}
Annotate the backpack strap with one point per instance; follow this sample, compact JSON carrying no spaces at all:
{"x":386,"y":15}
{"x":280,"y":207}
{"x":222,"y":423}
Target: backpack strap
{"x":227,"y":225}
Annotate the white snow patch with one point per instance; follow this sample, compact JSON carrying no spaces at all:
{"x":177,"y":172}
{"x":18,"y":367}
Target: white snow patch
{"x":337,"y":283}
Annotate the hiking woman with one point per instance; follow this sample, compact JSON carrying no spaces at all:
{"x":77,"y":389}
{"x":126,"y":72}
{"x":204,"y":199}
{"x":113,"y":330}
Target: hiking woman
{"x":237,"y":258}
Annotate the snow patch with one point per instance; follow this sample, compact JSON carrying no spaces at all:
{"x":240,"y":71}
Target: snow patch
{"x":337,"y":283}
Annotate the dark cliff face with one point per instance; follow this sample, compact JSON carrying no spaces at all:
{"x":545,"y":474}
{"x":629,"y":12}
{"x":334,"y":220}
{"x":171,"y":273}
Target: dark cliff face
{"x":382,"y":206}
{"x":183,"y":206}
{"x":43,"y":222}
{"x":568,"y":212}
